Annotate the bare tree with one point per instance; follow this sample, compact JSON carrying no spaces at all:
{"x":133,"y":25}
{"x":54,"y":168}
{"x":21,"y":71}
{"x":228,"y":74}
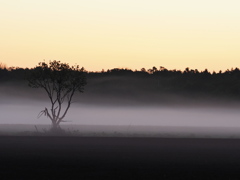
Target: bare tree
{"x":60,"y":81}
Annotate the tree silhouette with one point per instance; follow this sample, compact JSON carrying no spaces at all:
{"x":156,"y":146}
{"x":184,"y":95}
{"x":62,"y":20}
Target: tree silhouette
{"x":60,"y":81}
{"x":222,"y":84}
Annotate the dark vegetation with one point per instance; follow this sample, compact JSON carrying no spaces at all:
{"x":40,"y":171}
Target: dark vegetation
{"x":126,"y":82}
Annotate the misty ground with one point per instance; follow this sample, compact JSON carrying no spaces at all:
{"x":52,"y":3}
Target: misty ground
{"x":119,"y":135}
{"x":119,"y":112}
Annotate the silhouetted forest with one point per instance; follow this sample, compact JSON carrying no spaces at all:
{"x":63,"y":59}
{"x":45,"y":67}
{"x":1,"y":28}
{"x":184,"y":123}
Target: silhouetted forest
{"x":189,"y":82}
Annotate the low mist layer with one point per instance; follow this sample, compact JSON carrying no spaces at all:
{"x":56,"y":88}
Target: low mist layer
{"x":26,"y":113}
{"x":21,"y":105}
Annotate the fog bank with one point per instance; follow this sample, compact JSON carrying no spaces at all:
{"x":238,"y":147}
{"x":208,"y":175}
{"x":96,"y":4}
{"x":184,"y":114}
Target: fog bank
{"x":22,"y":105}
{"x":27,"y":112}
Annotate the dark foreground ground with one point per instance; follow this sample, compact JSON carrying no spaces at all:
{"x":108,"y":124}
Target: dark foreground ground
{"x":118,"y":158}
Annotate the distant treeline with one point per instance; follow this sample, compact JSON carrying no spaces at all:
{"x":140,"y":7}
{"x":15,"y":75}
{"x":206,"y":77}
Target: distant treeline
{"x":154,"y":80}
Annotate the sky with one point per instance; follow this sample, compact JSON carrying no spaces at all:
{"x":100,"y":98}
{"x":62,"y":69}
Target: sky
{"x":106,"y":34}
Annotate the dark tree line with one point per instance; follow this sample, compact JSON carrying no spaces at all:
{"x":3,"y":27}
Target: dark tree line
{"x":226,"y":83}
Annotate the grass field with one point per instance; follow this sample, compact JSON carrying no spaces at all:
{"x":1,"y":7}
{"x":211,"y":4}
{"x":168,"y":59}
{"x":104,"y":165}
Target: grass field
{"x":123,"y":131}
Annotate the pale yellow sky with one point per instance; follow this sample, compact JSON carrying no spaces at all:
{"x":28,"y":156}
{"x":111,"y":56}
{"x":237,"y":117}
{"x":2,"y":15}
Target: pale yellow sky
{"x":102,"y":34}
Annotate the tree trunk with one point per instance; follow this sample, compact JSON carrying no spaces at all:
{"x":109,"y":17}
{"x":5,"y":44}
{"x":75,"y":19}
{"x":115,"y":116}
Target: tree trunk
{"x":56,"y":129}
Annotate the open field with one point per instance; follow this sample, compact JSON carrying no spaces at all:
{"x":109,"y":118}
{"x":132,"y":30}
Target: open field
{"x":31,"y":157}
{"x":122,"y":131}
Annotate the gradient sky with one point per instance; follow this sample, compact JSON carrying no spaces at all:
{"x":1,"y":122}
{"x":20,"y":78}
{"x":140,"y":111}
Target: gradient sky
{"x":102,"y":34}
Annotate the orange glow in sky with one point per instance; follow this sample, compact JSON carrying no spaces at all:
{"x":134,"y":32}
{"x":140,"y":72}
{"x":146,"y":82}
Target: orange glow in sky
{"x":105,"y":34}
